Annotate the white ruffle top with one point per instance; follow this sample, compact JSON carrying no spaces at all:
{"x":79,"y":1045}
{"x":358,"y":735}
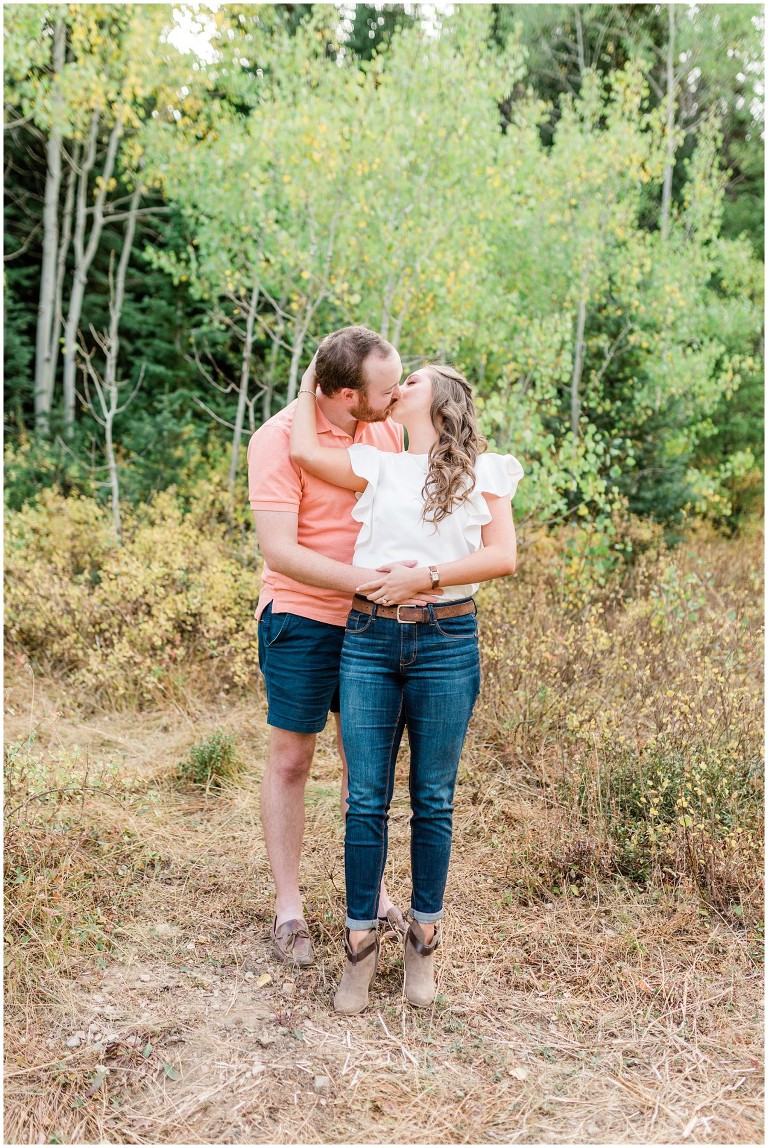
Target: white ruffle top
{"x":390,"y":507}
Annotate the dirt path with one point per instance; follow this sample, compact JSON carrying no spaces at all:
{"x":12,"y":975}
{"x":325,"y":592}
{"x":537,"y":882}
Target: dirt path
{"x":615,"y":1018}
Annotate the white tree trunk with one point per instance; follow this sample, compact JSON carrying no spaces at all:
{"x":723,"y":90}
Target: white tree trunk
{"x":578,"y":365}
{"x":242,"y":397}
{"x":46,"y":308}
{"x":293,"y":372}
{"x":61,"y":265}
{"x":84,"y":257}
{"x":669,"y":161}
{"x":116,"y":299}
{"x":266,"y":398}
{"x":580,"y":41}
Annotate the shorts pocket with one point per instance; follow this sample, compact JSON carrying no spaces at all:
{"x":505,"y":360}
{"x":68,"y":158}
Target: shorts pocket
{"x":357,"y":622}
{"x":277,"y":628}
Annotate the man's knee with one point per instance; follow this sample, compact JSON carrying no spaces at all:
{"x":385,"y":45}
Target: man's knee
{"x":290,"y":755}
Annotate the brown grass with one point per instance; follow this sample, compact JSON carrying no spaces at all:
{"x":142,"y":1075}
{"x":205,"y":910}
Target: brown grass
{"x":623,"y":1017}
{"x":576,"y":1004}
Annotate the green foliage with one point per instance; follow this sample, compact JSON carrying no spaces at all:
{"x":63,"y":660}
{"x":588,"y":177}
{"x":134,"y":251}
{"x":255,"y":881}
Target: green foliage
{"x":32,"y":466}
{"x":655,"y":791}
{"x":212,"y":761}
{"x":316,"y":175}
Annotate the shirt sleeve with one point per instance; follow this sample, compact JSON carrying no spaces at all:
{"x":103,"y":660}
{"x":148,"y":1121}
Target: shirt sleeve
{"x":274,"y":483}
{"x":498,"y":474}
{"x":366,"y":463}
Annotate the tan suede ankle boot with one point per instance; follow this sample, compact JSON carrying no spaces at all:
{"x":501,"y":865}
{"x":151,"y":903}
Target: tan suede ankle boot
{"x":419,"y":965}
{"x":352,"y":994}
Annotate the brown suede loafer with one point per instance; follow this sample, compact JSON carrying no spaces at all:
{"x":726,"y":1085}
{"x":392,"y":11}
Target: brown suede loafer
{"x":292,"y":943}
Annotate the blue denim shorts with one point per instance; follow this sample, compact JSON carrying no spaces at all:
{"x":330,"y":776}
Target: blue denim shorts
{"x":300,"y":661}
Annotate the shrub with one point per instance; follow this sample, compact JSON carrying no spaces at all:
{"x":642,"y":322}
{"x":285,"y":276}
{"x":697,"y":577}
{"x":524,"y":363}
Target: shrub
{"x":680,"y":812}
{"x":211,"y":761}
{"x":614,"y":691}
{"x":637,"y":708}
{"x":166,"y":615}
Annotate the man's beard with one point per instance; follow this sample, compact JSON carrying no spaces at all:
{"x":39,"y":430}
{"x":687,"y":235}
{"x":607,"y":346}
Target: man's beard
{"x":366,"y":414}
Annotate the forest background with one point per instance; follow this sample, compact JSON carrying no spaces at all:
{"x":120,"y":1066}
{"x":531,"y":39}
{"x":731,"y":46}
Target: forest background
{"x":567,"y":202}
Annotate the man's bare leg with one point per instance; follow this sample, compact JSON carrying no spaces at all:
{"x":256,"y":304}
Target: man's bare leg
{"x":282,"y":814}
{"x":385,"y":903}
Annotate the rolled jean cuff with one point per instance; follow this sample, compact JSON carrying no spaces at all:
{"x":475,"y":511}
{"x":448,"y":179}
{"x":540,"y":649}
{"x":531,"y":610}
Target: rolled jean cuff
{"x":427,"y":918}
{"x":359,"y":926}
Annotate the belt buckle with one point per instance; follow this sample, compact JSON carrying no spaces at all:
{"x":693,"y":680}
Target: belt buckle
{"x":406,"y":621}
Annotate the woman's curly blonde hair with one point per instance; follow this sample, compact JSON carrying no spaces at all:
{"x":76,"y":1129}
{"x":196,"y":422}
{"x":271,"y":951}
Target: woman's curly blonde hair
{"x":451,"y":475}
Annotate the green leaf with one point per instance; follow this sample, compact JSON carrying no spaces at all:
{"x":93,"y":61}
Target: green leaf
{"x":170,"y":1071}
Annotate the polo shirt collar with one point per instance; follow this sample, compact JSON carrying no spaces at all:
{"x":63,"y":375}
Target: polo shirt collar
{"x":325,"y":426}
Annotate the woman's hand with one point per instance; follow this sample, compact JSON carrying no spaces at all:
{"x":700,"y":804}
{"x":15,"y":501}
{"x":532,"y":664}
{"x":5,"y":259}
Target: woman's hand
{"x":309,"y":379}
{"x":397,"y":584}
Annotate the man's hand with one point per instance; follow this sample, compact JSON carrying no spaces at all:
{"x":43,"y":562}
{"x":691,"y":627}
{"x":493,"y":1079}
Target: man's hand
{"x":398,"y":583}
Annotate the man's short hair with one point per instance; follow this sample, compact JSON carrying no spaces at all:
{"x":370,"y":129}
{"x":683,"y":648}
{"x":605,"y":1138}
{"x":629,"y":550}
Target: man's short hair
{"x":340,"y":358}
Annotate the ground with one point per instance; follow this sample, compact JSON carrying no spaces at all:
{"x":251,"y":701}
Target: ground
{"x":624,"y":1015}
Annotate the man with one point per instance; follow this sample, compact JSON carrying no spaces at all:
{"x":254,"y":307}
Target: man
{"x":307,"y":537}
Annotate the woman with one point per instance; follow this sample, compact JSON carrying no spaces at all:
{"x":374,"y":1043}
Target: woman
{"x":448,"y":504}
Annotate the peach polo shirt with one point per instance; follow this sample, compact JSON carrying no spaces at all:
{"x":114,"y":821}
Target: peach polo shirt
{"x":326,"y":524}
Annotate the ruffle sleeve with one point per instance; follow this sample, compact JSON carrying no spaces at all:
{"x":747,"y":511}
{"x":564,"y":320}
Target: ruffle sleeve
{"x":497,"y":474}
{"x":366,"y":461}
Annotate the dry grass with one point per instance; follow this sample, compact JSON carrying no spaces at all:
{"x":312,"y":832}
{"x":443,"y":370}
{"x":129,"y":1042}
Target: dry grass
{"x":580,"y":1001}
{"x":622,"y":1016}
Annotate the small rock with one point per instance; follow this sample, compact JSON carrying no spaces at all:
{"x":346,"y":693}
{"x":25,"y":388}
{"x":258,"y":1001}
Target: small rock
{"x":322,"y":1083}
{"x":249,"y":976}
{"x":80,"y":1033}
{"x":145,"y":978}
{"x":191,"y":947}
{"x":98,"y":997}
{"x":288,"y":988}
{"x":163,"y":929}
{"x":265,"y":1038}
{"x":73,"y":1041}
{"x":264,"y":980}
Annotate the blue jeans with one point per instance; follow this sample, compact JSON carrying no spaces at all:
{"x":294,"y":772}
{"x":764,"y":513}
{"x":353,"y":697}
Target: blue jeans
{"x":425,"y":677}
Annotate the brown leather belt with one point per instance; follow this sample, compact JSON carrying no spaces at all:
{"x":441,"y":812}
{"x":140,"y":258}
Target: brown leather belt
{"x":415,"y":613}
